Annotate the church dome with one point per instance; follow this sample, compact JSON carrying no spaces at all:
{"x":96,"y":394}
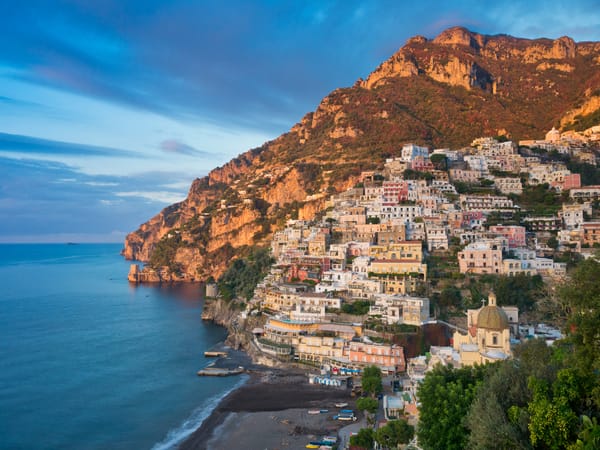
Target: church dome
{"x":492,"y":317}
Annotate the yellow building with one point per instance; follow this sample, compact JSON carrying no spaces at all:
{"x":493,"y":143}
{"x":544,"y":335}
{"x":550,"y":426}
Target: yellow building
{"x":399,"y":266}
{"x":279,"y":300}
{"x":399,"y":284}
{"x":406,"y":250}
{"x":319,"y":348}
{"x":488,"y":335}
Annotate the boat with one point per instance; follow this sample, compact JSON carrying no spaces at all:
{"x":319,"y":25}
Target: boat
{"x":312,"y":446}
{"x":314,"y":411}
{"x":341,"y":405}
{"x":218,"y":372}
{"x":345,"y":417}
{"x":347,"y":411}
{"x":323,"y":411}
{"x":330,"y":439}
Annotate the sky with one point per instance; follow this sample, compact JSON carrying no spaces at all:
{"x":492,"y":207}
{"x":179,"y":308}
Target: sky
{"x":110,"y":109}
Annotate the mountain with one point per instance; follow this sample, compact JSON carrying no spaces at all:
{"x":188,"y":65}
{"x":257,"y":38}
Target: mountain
{"x":439,"y":92}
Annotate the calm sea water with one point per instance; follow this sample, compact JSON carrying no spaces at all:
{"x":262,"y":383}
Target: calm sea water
{"x":89,"y":362}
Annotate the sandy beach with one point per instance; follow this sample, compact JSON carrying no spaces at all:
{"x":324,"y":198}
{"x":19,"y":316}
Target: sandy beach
{"x":271,"y":412}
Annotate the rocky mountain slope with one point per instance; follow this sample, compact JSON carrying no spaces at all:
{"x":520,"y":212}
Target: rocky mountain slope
{"x":440,"y":92}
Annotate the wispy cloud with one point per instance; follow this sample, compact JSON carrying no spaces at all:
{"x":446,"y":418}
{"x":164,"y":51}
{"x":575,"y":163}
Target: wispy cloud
{"x":16,"y":143}
{"x":165,"y":197}
{"x":175,"y":146}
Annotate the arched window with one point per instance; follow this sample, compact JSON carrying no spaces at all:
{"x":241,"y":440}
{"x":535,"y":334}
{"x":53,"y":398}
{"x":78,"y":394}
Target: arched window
{"x":494,"y":340}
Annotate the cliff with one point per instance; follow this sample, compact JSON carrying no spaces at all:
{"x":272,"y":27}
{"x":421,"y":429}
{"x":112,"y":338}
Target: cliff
{"x":436,"y":92}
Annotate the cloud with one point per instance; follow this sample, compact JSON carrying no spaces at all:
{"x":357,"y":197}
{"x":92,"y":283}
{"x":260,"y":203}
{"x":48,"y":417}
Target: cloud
{"x":46,"y":198}
{"x":175,"y":146}
{"x":165,"y":197}
{"x":259,"y":64}
{"x":16,"y":143}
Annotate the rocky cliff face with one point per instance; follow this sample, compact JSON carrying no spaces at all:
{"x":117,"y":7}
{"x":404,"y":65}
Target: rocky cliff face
{"x":439,"y":92}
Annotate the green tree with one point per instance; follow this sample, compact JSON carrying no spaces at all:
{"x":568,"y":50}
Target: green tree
{"x":450,"y":297}
{"x":363,"y":439}
{"x":367,"y":404}
{"x":446,"y":395}
{"x":394,"y":433}
{"x":496,"y":417}
{"x":519,"y":290}
{"x":552,"y":422}
{"x":371,"y":380}
{"x":439,"y":161}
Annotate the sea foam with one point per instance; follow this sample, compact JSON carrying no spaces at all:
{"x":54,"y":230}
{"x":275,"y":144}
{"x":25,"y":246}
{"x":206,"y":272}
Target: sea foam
{"x":177,"y":435}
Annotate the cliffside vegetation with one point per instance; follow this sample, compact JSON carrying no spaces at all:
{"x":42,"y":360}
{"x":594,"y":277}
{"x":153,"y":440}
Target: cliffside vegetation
{"x":242,"y":276}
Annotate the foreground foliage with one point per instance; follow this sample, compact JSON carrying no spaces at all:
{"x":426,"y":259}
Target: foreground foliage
{"x":393,"y":433}
{"x":544,"y":398}
{"x":446,"y":395}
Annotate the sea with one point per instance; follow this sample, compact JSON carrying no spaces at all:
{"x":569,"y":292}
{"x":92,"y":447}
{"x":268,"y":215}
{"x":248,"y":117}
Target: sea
{"x":88,"y":361}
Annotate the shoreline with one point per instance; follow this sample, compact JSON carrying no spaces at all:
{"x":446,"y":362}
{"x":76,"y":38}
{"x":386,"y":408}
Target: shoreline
{"x":270,"y":409}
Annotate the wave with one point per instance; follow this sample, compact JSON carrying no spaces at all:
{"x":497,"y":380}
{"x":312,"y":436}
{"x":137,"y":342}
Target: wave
{"x":177,"y":435}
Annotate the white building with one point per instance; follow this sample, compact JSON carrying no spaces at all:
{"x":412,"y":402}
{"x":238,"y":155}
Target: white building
{"x":411,"y":151}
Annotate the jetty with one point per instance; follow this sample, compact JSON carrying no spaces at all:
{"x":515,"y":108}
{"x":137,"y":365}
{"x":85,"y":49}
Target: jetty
{"x":212,"y":354}
{"x":218,"y":372}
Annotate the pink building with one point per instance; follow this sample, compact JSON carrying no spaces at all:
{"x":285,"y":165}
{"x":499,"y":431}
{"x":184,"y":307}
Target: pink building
{"x":515,"y":234}
{"x":480,"y":258}
{"x":421,"y":164}
{"x":389,"y":358}
{"x":572,"y":181}
{"x":394,"y":192}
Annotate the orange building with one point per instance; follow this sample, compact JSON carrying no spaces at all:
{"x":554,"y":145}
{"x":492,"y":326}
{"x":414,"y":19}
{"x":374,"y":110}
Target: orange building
{"x":389,"y":358}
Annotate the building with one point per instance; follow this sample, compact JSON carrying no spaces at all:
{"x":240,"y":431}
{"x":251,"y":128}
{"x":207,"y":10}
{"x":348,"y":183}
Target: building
{"x":319,"y":349}
{"x":542,"y":223}
{"x":389,"y":358}
{"x":513,"y":233}
{"x":573,"y":216}
{"x":485,"y":202}
{"x":507,"y":185}
{"x":399,"y":266}
{"x":585,"y":193}
{"x":481,"y":258}
{"x":411,"y":151}
{"x":401,"y":309}
{"x":464,"y":175}
{"x":437,"y":236}
{"x":488,"y":335}
{"x":394,"y":192}
{"x":591,"y":233}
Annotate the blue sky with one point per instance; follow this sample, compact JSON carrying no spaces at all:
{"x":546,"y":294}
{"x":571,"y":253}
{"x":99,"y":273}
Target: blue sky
{"x":109,"y":109}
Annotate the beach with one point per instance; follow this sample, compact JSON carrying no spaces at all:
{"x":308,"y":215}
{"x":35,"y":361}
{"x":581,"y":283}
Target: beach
{"x":271,"y":412}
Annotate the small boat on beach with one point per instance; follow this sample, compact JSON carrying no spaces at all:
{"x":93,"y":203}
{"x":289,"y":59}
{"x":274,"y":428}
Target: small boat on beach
{"x":314,"y":411}
{"x":347,"y":411}
{"x":309,"y":445}
{"x":345,"y":417}
{"x":341,"y":405}
{"x":323,"y":411}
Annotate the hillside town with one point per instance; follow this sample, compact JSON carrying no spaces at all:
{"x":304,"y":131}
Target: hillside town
{"x":343,"y":285}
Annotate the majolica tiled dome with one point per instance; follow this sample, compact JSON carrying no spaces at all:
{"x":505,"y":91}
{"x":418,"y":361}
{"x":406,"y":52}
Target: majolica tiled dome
{"x":491,"y":317}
